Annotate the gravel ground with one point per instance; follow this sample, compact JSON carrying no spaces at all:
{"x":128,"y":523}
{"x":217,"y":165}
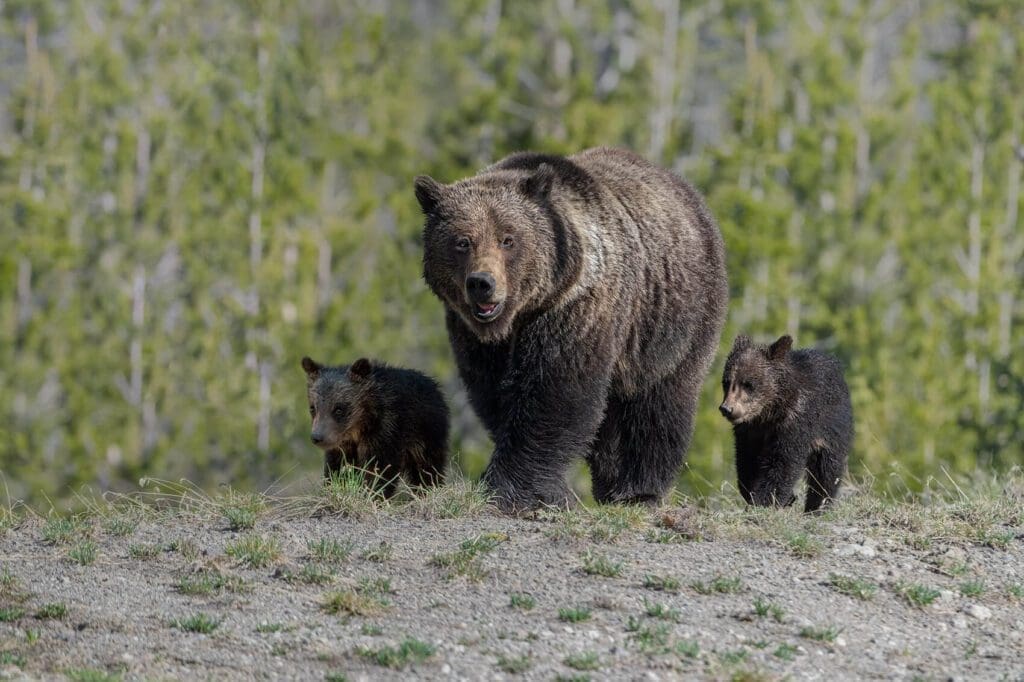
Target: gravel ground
{"x":754,"y":599}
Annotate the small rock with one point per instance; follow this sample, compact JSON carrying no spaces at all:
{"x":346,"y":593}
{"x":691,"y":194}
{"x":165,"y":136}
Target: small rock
{"x":446,"y":669}
{"x":840,"y":641}
{"x":980,"y":612}
{"x":853,"y":549}
{"x":593,"y":634}
{"x":947,"y":595}
{"x":959,"y":622}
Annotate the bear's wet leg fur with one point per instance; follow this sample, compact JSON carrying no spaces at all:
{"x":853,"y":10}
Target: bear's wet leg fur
{"x":824,"y":471}
{"x":333,"y":460}
{"x":643,"y":441}
{"x":774,"y":482}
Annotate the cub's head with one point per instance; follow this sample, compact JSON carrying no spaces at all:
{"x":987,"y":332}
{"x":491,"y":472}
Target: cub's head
{"x":488,"y":246}
{"x":340,"y":403}
{"x":751,"y":379}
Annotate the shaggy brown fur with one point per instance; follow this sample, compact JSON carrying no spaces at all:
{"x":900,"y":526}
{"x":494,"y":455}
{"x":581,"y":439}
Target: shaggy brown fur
{"x":791,"y":414}
{"x":585,"y":297}
{"x":384,"y":420}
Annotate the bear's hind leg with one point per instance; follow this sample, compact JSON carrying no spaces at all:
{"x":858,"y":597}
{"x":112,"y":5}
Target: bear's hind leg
{"x":824,"y":473}
{"x":644,"y":441}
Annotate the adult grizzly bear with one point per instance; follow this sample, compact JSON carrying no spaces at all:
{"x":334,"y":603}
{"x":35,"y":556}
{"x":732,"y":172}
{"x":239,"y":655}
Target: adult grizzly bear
{"x":585,"y":296}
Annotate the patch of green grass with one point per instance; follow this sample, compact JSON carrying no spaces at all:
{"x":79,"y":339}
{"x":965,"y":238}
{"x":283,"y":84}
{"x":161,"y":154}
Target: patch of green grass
{"x":649,"y":638}
{"x":575,"y":614}
{"x":787,"y":652}
{"x":599,"y":564}
{"x":972,"y":588}
{"x":611,"y":521}
{"x":379,"y":554}
{"x":186,"y":547}
{"x":826,"y":634}
{"x":687,"y":648}
{"x":354,"y":602}
{"x":661,"y":611}
{"x":210,"y":581}
{"x":330,"y":551}
{"x":83,"y":553}
{"x":347,"y":494}
{"x":371,"y":629}
{"x":11,"y":658}
{"x":59,"y":530}
{"x":764,"y":608}
{"x":335,"y":677}
{"x":254,"y":550}
{"x":52,"y":611}
{"x":578,"y":677}
{"x":514,"y":665}
{"x":455,"y":499}
{"x":408,"y":652}
{"x":1015,"y":591}
{"x":803,"y":545}
{"x":379,"y":586}
{"x":918,"y":595}
{"x":91,"y":675}
{"x":997,"y":539}
{"x":9,"y":614}
{"x":266,"y":628}
{"x":861,"y":588}
{"x":144,"y":552}
{"x":733,"y":657}
{"x":719,"y":584}
{"x":661,"y":583}
{"x":586,"y":660}
{"x":524,"y":602}
{"x":120,"y":526}
{"x":200,"y":623}
{"x":466,"y":560}
{"x":663,"y":537}
{"x":8,"y":581}
{"x":316,"y":574}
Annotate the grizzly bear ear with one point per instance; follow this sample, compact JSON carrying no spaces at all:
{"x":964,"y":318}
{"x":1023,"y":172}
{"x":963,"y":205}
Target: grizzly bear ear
{"x":359,"y":370}
{"x":778,"y":350}
{"x":742,"y":342}
{"x":429,"y":193}
{"x":538,"y":184}
{"x":312,"y":367}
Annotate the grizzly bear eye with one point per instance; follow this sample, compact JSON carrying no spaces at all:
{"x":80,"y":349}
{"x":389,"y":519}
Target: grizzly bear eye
{"x":747,"y":386}
{"x":507,"y":242}
{"x":462,"y":244}
{"x":312,"y":410}
{"x":340,"y":411}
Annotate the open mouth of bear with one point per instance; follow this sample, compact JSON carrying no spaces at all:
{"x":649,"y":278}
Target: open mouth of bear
{"x":486,"y":312}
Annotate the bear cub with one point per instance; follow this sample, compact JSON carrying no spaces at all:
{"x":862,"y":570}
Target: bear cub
{"x":384,"y":420}
{"x":790,"y":412}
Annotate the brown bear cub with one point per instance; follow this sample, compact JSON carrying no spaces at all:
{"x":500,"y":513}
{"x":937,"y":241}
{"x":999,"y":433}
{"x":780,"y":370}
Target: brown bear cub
{"x":790,"y":412}
{"x":384,"y":420}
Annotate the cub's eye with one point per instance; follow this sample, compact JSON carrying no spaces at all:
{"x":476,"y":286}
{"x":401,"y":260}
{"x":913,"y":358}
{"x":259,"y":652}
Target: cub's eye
{"x":340,"y":411}
{"x":312,"y":410}
{"x":462,"y":244}
{"x":507,"y":242}
{"x":747,"y":386}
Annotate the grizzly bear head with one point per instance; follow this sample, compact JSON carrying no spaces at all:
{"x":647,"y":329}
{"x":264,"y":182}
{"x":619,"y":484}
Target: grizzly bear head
{"x":753,"y":378}
{"x":342,"y":404}
{"x":490,"y":248}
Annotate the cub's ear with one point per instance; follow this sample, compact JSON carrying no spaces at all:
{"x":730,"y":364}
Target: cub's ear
{"x":359,"y":370}
{"x":778,"y":350}
{"x":742,"y":342}
{"x":429,"y":192}
{"x":312,"y":367}
{"x":538,"y":184}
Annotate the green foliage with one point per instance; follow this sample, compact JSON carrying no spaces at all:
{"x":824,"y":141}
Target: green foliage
{"x":193,"y":197}
{"x":575,"y":614}
{"x":199,"y":622}
{"x":410,"y":650}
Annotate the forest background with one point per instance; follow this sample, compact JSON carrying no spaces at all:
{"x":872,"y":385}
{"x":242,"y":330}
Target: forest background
{"x":193,"y":195}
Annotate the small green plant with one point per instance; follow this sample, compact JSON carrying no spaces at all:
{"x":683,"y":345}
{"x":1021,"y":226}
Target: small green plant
{"x":354,"y":602}
{"x":514,"y":665}
{"x":578,"y":677}
{"x":521,"y":601}
{"x":661,"y":611}
{"x":466,"y":560}
{"x":764,"y":608}
{"x":998,"y":539}
{"x":210,"y":581}
{"x":120,"y":526}
{"x":409,"y":651}
{"x":60,"y":531}
{"x":661,"y":584}
{"x":52,"y":611}
{"x":860,"y":588}
{"x":372,"y":629}
{"x":240,"y":518}
{"x":329,"y":551}
{"x":786,"y":652}
{"x":803,"y":545}
{"x":599,"y":564}
{"x":652,"y":639}
{"x":266,"y":628}
{"x":455,"y":499}
{"x":91,"y":675}
{"x":84,"y":552}
{"x":187,"y":548}
{"x":316,"y":574}
{"x":660,"y":536}
{"x":733,"y":657}
{"x":380,"y":586}
{"x":144,"y":552}
{"x":241,"y":509}
{"x":11,"y":658}
{"x":10,"y":614}
{"x":347,"y":494}
{"x":918,"y":595}
{"x":719,"y":584}
{"x":1015,"y":591}
{"x":575,"y":614}
{"x":200,"y":623}
{"x":587,"y":660}
{"x":379,"y":554}
{"x":687,"y":648}
{"x":254,"y":550}
{"x":826,"y":634}
{"x":335,"y":677}
{"x":972,"y":588}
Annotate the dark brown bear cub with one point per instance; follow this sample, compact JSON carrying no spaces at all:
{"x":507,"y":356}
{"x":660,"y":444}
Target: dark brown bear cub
{"x":790,"y":412}
{"x":384,"y":420}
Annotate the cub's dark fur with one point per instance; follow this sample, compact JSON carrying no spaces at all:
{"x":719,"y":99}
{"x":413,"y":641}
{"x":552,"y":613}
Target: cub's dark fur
{"x":384,"y":420}
{"x":790,"y":411}
{"x":585,"y":296}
